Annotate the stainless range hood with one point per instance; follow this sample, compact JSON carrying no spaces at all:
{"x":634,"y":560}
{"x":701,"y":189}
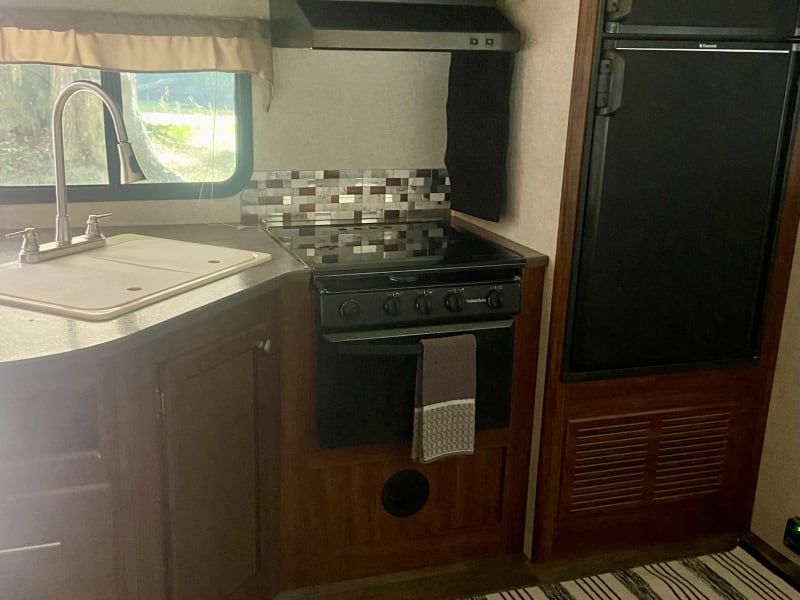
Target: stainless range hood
{"x":392,"y":25}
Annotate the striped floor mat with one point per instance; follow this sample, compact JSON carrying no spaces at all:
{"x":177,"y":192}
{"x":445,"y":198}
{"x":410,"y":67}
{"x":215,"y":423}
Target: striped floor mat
{"x":733,"y":575}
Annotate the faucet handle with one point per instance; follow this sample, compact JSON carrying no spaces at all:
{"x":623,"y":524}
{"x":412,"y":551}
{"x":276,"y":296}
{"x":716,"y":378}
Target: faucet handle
{"x":93,"y":231}
{"x":30,"y":240}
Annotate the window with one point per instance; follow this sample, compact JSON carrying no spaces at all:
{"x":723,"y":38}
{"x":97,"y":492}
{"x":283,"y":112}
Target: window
{"x":192,"y":134}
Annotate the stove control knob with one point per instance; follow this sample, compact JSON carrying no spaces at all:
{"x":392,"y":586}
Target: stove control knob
{"x":424,"y":304}
{"x":494,"y":299}
{"x":393,"y":305}
{"x":350,"y":309}
{"x":454,"y":301}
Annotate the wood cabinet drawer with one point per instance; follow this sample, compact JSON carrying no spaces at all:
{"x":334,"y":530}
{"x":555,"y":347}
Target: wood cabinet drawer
{"x":54,"y":430}
{"x":58,"y":545}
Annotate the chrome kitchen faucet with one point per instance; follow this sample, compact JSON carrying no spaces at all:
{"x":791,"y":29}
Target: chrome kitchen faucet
{"x":130,"y":172}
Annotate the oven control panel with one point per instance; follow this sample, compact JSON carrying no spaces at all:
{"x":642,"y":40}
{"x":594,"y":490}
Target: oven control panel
{"x":418,"y":305}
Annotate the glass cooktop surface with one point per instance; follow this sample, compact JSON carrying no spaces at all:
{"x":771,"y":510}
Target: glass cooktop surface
{"x":391,"y":246}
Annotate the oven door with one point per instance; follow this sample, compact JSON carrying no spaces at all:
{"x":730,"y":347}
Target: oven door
{"x":367,"y":380}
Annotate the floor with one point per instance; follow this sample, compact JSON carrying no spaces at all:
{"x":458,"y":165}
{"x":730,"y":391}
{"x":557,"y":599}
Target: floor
{"x":466,"y":579}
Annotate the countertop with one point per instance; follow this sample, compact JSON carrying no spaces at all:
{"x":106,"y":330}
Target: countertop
{"x":28,"y":335}
{"x":532,"y":257}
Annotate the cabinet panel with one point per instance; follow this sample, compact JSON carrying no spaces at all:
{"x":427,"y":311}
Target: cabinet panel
{"x":210,"y":451}
{"x":52,"y":430}
{"x":354,"y":512}
{"x":465,"y":492}
{"x":631,"y":475}
{"x":619,"y":462}
{"x":58,"y":545}
{"x":51,"y":422}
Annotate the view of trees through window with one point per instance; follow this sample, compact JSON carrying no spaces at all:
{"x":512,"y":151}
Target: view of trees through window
{"x":182,"y":125}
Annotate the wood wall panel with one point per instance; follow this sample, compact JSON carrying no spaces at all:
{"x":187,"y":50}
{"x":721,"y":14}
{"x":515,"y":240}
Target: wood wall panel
{"x":465,"y":492}
{"x":701,"y":468}
{"x":606,"y":463}
{"x":623,"y":462}
{"x":692,"y":454}
{"x":333,"y":525}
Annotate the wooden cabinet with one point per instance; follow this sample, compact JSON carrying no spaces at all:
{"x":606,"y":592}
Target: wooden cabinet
{"x":640,"y":461}
{"x":148,"y":474}
{"x":639,"y":469}
{"x":56,"y":505}
{"x":58,"y":545}
{"x":335,"y":524}
{"x":196,"y":414}
{"x":213,"y":398}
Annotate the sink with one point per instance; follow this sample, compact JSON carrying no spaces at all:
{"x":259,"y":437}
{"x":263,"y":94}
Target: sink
{"x":129,"y":272}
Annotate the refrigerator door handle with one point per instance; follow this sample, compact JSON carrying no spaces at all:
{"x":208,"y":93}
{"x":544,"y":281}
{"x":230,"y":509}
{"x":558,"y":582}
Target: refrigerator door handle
{"x":610,"y":83}
{"x":704,"y":48}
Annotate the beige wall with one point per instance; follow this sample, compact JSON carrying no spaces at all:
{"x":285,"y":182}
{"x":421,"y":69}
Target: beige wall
{"x":354,"y":110}
{"x":778,"y":492}
{"x":330,"y":110}
{"x":540,"y":110}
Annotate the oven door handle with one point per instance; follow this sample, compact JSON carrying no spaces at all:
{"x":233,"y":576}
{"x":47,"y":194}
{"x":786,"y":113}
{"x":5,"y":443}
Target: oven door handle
{"x":380,"y":350}
{"x":401,"y":333}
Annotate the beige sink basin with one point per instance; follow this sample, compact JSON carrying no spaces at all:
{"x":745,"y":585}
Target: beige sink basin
{"x":129,"y":272}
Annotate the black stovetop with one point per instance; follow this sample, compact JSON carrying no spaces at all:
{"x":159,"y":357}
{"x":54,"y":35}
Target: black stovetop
{"x":377,"y":247}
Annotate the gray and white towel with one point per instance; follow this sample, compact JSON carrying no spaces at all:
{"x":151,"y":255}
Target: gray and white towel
{"x":444,"y":411}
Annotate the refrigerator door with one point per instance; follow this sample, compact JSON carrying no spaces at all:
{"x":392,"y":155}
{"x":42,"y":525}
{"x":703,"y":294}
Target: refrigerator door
{"x":766,"y":19}
{"x":675,"y":231}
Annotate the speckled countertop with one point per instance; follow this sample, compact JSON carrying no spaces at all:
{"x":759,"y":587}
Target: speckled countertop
{"x":27,"y":335}
{"x":532,"y":258}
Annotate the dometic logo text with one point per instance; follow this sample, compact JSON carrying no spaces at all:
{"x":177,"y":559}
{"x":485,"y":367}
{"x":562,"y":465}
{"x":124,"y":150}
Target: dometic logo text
{"x":709,"y":46}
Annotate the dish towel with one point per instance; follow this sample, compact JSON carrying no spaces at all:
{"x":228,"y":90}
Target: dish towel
{"x":478,"y":94}
{"x":444,"y":411}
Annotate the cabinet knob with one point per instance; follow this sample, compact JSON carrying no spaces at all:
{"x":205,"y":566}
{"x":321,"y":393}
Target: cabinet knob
{"x":265,"y":345}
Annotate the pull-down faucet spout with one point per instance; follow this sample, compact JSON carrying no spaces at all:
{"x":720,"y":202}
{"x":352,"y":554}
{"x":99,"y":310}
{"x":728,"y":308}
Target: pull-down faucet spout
{"x":129,"y":167}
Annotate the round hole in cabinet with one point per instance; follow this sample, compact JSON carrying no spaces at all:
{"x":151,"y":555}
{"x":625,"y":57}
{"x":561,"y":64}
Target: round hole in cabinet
{"x":405,"y":493}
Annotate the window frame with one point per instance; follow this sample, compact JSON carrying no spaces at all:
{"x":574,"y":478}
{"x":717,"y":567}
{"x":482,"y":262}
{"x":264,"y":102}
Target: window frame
{"x":115,"y":192}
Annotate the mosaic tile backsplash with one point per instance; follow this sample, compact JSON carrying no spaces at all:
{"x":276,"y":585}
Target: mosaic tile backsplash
{"x":283,"y":198}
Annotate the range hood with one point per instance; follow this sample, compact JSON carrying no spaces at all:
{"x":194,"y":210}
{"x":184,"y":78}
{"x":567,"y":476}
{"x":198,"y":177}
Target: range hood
{"x":392,"y":25}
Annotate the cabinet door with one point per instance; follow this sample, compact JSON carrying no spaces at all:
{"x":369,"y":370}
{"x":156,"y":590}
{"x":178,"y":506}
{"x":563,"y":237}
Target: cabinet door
{"x":53,"y":424}
{"x":56,"y":508}
{"x":57,"y":545}
{"x":212,"y":398}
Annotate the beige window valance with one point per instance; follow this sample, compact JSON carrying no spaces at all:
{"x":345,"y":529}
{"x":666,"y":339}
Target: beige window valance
{"x":135,"y":43}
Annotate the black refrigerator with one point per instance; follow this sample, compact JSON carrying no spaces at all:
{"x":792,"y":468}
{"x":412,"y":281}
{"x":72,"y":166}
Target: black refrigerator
{"x":691,"y":119}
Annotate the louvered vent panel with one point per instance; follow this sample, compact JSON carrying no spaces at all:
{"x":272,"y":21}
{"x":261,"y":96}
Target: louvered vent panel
{"x":609,"y":465}
{"x":691,"y":455}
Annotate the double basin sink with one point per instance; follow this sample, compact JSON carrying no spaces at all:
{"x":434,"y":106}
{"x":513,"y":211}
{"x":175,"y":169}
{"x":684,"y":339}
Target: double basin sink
{"x":129,"y":272}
